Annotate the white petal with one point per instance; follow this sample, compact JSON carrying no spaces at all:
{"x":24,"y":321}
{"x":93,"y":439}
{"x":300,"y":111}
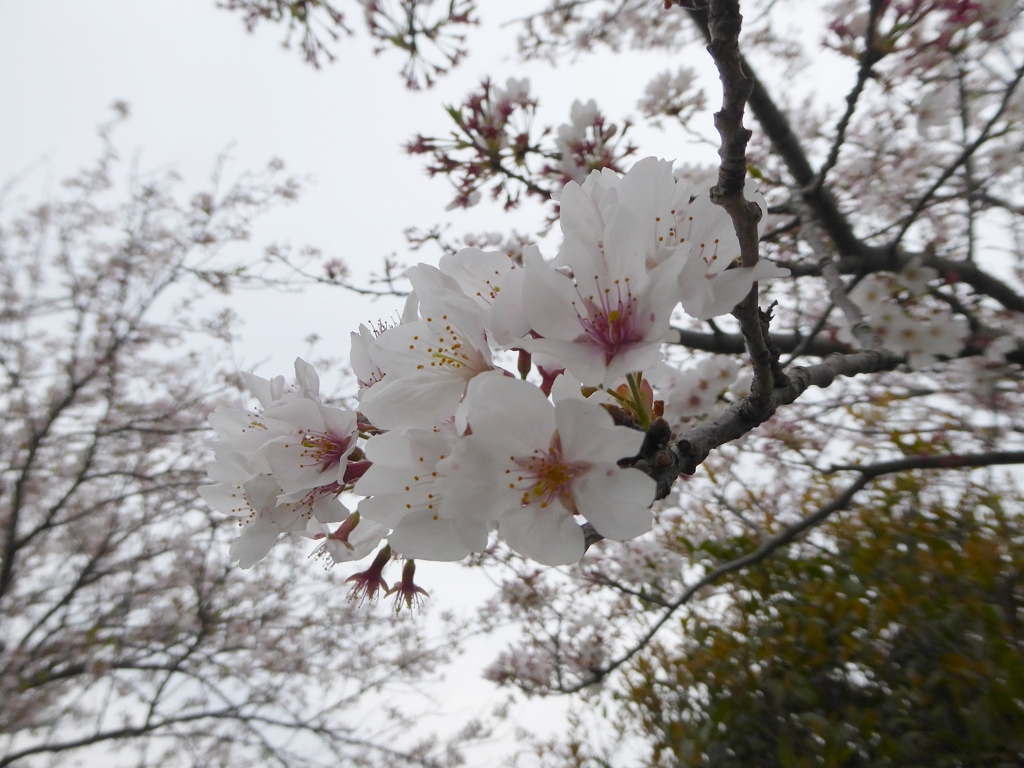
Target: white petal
{"x":421,"y":401}
{"x":306,"y":376}
{"x":588,"y":434}
{"x":513,"y":412}
{"x":615,"y":501}
{"x":549,"y":535}
{"x":426,"y":536}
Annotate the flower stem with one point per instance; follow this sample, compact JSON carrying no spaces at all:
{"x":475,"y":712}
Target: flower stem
{"x":643,"y":417}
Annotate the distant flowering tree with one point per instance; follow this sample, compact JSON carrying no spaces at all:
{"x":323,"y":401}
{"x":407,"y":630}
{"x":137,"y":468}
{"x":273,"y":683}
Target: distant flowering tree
{"x":707,"y":350}
{"x":127,"y":637}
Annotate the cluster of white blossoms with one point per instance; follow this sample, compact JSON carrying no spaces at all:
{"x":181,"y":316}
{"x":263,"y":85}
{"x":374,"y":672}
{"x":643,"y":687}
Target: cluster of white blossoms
{"x":447,"y":447}
{"x":903,"y":324}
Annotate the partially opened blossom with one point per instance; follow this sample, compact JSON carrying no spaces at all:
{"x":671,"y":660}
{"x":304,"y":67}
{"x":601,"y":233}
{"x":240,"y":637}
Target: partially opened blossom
{"x":535,"y":467}
{"x":280,"y":468}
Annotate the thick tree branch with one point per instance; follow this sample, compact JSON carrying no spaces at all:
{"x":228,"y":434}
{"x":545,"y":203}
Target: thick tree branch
{"x":950,"y":269}
{"x":664,"y":460}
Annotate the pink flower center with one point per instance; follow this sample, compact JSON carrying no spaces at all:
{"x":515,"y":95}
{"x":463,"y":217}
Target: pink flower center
{"x":546,"y":476}
{"x":323,"y":449}
{"x":610,"y":318}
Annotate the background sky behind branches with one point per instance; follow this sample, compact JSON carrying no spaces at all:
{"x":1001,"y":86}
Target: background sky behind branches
{"x":198,"y":85}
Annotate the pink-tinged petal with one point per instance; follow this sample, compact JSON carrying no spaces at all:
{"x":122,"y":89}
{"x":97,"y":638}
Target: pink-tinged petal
{"x":727,"y":290}
{"x":648,"y":190}
{"x":508,"y":322}
{"x":711,"y":235}
{"x":615,"y":501}
{"x":480,"y":274}
{"x":231,"y":466}
{"x":303,"y":414}
{"x":339,"y":422}
{"x":302,"y":463}
{"x":246,"y":432}
{"x":588,"y":434}
{"x":549,"y":534}
{"x":638,"y":358}
{"x":263,"y":390}
{"x":418,"y":401}
{"x":425,"y":536}
{"x":389,"y":508}
{"x":730,"y":287}
{"x":472,"y":534}
{"x":626,"y":247}
{"x":442,"y":301}
{"x":226,"y":498}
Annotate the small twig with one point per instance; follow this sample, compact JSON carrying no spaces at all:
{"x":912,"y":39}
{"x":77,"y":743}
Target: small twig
{"x":870,"y":57}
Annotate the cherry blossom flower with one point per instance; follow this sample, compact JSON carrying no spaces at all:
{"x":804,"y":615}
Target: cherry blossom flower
{"x":534,"y":466}
{"x":405,"y":493}
{"x":281,"y":467}
{"x":428,"y":363}
{"x":610,"y":317}
{"x":251,"y":497}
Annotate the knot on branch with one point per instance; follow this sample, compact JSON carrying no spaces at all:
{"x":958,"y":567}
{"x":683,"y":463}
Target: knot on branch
{"x":656,"y":458}
{"x":779,"y":378}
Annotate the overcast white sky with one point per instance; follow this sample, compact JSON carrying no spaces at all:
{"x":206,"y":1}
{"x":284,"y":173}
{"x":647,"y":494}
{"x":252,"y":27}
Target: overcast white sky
{"x":197,"y":84}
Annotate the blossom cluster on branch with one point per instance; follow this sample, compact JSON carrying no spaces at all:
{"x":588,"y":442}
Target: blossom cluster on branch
{"x":447,"y":444}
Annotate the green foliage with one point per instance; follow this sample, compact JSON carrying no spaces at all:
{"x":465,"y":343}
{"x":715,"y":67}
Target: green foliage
{"x":895,"y":637}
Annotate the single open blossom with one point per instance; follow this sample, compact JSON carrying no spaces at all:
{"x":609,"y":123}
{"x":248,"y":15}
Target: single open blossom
{"x":314,"y":455}
{"x":428,"y":363}
{"x":610,"y":317}
{"x":404,"y":490}
{"x":533,"y":466}
{"x":676,"y":222}
{"x":280,"y":468}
